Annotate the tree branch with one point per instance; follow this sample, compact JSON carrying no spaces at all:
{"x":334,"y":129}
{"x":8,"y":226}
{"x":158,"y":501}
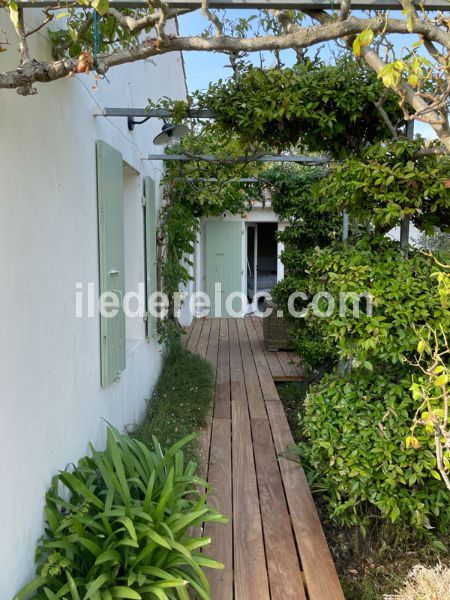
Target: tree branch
{"x":345,"y":9}
{"x":212,"y":17}
{"x":136,"y":25}
{"x":405,"y":91}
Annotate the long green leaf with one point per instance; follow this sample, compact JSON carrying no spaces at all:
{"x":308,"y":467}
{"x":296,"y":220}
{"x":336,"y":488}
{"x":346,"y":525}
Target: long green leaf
{"x":29,"y":589}
{"x":94,"y":586}
{"x":121,"y":591}
{"x":79,"y":488}
{"x":114,"y":452}
{"x":110,"y":555}
{"x":72,"y":587}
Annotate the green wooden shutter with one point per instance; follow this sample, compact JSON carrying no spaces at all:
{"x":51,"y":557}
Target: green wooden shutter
{"x":111,"y":258}
{"x":223,"y":261}
{"x":150,"y":247}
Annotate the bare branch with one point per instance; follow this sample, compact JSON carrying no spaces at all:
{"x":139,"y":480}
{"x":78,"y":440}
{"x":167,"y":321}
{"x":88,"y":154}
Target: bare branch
{"x":212,"y":17}
{"x":49,"y":17}
{"x":385,"y":117}
{"x":23,"y":44}
{"x":136,"y":25}
{"x":345,"y":9}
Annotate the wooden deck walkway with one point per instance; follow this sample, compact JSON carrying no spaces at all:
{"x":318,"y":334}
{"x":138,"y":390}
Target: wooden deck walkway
{"x":273,"y":547}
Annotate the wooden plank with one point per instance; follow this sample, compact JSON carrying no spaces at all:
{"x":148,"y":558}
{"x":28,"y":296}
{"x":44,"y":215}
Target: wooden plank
{"x":195,"y":335}
{"x":220,"y":477}
{"x":268,"y":386}
{"x":187,"y":333}
{"x":237,"y":384}
{"x":272,"y":357}
{"x":285,"y":578}
{"x":213,"y":346}
{"x":203,"y":341}
{"x":320,"y":573}
{"x":255,"y":398}
{"x":204,"y":446}
{"x":250,"y":573}
{"x":287,"y":378}
{"x":222,"y":396}
{"x":286,"y":362}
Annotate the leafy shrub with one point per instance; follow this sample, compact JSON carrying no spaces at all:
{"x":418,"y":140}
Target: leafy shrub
{"x":356,"y":430}
{"x":325,"y":108}
{"x":388,"y":182}
{"x":403,"y":293}
{"x":117,"y":527}
{"x":308,"y":228}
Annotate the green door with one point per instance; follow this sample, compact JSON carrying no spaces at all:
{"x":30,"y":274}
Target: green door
{"x":223,"y":264}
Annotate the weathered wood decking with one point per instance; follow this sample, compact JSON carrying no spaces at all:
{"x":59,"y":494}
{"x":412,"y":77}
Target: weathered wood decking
{"x":273,"y":546}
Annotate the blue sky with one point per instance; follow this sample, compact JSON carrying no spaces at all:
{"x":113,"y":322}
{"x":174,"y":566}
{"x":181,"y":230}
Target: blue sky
{"x":205,"y":67}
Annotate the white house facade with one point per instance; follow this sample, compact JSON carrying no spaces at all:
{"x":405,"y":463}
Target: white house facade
{"x":78,"y":204}
{"x":242,"y":254}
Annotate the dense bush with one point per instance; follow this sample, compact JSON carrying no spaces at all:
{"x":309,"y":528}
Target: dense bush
{"x":117,"y":527}
{"x":325,"y":108}
{"x":357,"y":422}
{"x":403,"y":295}
{"x":388,"y":182}
{"x":309,"y":228}
{"x":356,"y":430}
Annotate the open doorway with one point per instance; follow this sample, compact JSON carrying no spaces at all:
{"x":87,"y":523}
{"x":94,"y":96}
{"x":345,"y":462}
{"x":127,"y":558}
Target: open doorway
{"x":261,"y":258}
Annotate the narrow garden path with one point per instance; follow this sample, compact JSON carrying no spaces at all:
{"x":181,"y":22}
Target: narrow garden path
{"x":273,"y":547}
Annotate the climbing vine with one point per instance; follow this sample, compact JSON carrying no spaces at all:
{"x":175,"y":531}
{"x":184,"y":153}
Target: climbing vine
{"x":336,"y":109}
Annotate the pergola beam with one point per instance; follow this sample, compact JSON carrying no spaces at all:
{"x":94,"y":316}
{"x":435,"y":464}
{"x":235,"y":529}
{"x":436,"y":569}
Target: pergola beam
{"x":279,"y":158}
{"x":158,"y":113}
{"x":430,"y":5}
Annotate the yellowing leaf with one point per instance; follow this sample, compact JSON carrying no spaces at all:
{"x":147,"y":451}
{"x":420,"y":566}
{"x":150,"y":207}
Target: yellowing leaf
{"x":413,"y":80}
{"x":357,"y":46}
{"x":101,"y":6}
{"x":415,"y":442}
{"x":421,"y":346}
{"x":14,"y":13}
{"x":442,"y":380}
{"x":366,"y":37}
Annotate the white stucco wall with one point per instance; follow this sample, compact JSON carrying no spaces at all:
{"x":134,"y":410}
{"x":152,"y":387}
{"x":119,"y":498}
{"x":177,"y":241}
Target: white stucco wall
{"x":51,"y":402}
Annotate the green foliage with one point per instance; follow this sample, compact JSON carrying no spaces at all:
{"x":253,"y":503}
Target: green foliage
{"x":402,"y":291}
{"x":388,"y":182}
{"x":117,"y":527}
{"x":319,"y":107}
{"x":308,"y":228}
{"x":194,"y":191}
{"x":75,"y":31}
{"x":355,"y":430}
{"x":181,"y":402}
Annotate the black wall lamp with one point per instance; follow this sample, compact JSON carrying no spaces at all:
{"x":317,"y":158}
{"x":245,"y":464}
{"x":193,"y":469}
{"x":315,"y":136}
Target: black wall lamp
{"x":169,"y":133}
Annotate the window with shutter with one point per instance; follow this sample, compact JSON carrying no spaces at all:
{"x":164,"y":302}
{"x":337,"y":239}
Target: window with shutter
{"x":150,"y":247}
{"x":111,"y":259}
